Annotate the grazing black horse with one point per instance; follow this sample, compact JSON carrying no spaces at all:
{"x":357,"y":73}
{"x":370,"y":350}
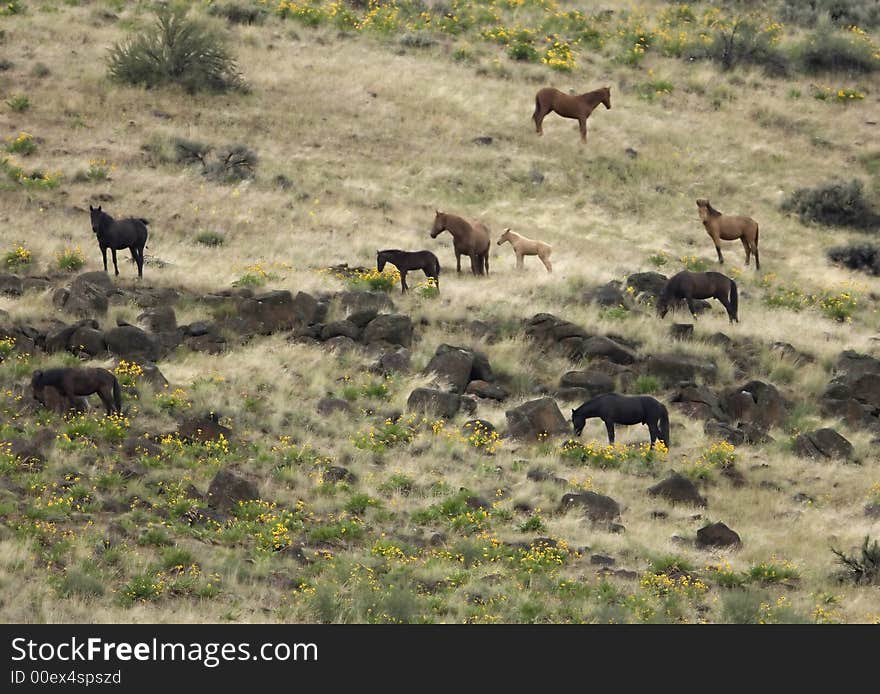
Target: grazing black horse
{"x":613,"y":409}
{"x":71,"y":383}
{"x":114,"y":234}
{"x":410,"y":260}
{"x":699,"y":285}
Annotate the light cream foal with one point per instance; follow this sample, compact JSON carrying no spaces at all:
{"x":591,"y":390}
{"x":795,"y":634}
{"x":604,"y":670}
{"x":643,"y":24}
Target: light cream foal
{"x":523,"y":246}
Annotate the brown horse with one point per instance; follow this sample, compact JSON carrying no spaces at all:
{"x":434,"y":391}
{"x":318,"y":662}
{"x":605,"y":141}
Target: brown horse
{"x":727,"y":227}
{"x":523,"y":246}
{"x":70,"y":383}
{"x":689,"y":285}
{"x":569,"y":106}
{"x":468,"y":239}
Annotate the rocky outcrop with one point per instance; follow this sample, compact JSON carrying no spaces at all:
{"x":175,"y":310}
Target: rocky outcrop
{"x":823,"y":444}
{"x":536,"y":419}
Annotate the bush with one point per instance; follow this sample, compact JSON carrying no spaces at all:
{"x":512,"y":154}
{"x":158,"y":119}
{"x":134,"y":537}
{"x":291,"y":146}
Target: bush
{"x":864,"y":568}
{"x":19,"y":103}
{"x":746,"y":41}
{"x":176,"y":50}
{"x":834,"y":203}
{"x":827,"y":51}
{"x":863,"y":257}
{"x":843,"y":13}
{"x":238,"y":13}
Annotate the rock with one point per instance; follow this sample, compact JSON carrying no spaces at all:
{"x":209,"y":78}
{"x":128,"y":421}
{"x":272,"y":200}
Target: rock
{"x":355,"y":302}
{"x":481,"y":370}
{"x":433,"y":403}
{"x":340,"y":344}
{"x":788,"y":351}
{"x":682,"y":331}
{"x":593,"y":382}
{"x":477,"y":426}
{"x":489,"y":391}
{"x":393,"y":329}
{"x":866,"y":389}
{"x":211,"y":342}
{"x":482,"y":140}
{"x":852,"y":364}
{"x":453,"y":367}
{"x":87,"y":340}
{"x":160,"y":319}
{"x":602,"y":560}
{"x":720,"y":431}
{"x":395,"y":361}
{"x":132,"y":344}
{"x":607,"y":295}
{"x":362,"y":318}
{"x":605,"y":347}
{"x":539,"y":475}
{"x":88,"y":295}
{"x":11,"y":285}
{"x":678,"y":489}
{"x":329,"y":406}
{"x":227,"y":489}
{"x":597,"y":507}
{"x":823,"y":443}
{"x":701,"y":401}
{"x":675,"y":368}
{"x":35,"y":284}
{"x":203,"y":428}
{"x":198,"y":328}
{"x":756,"y":402}
{"x":651,"y":283}
{"x":307,"y":310}
{"x":152,"y":375}
{"x":547,"y":328}
{"x":339,"y":328}
{"x":717,"y":535}
{"x":536,"y":419}
{"x":267,"y":313}
{"x":337,"y":473}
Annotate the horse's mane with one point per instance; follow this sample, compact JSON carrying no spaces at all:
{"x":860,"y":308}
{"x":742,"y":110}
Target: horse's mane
{"x":712,"y":210}
{"x":391,"y":250}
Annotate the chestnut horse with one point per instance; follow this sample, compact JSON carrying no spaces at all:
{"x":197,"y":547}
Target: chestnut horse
{"x":523,"y":246}
{"x":569,"y":106}
{"x":726,"y":227}
{"x":468,"y":239}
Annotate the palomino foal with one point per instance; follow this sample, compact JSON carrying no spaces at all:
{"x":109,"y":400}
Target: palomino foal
{"x":523,"y":246}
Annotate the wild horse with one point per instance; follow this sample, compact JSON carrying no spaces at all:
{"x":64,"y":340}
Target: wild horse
{"x":114,"y":234}
{"x":71,"y":383}
{"x":688,"y":286}
{"x":569,"y":106}
{"x":405,"y":261}
{"x":728,"y":227}
{"x":613,"y":409}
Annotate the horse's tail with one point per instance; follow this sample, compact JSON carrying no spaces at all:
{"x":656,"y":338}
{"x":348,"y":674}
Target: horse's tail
{"x":537,"y":109}
{"x":117,"y":395}
{"x":734,"y":301}
{"x":664,"y":425}
{"x":755,"y":249}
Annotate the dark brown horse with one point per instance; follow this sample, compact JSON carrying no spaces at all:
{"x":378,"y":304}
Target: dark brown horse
{"x":71,"y":383}
{"x":468,"y":239}
{"x":688,"y":286}
{"x":115,"y":234}
{"x":569,"y":106}
{"x":405,"y":261}
{"x":728,"y":227}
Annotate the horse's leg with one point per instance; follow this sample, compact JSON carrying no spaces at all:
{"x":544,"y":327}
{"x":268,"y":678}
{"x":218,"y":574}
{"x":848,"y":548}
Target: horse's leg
{"x":115,"y":266}
{"x":458,"y":262}
{"x":547,"y":263}
{"x":538,"y":116}
{"x":583,"y":124}
{"x":692,"y":307}
{"x":755,"y":251}
{"x":476,"y":264}
{"x":403,"y":287}
{"x":519,"y":261}
{"x":486,"y":262}
{"x":107,"y":400}
{"x":747,"y":247}
{"x":653,"y":431}
{"x":104,"y":253}
{"x":609,"y":426}
{"x":727,"y":307}
{"x":717,"y":241}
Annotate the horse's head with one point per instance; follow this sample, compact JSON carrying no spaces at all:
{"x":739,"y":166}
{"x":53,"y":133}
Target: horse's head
{"x":577,"y":422}
{"x":95,"y":213}
{"x":439,"y":224}
{"x":504,"y":237}
{"x":380,"y":261}
{"x":703,"y":207}
{"x":606,"y":97}
{"x":663,"y":303}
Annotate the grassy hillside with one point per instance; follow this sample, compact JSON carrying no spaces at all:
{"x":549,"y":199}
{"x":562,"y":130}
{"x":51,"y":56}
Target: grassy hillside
{"x":363,"y":124}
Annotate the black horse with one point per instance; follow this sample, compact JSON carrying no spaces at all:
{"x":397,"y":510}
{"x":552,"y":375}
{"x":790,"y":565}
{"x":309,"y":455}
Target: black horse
{"x":410,"y":260}
{"x":114,"y":234}
{"x":72,"y":383}
{"x":613,"y":409}
{"x":699,"y":285}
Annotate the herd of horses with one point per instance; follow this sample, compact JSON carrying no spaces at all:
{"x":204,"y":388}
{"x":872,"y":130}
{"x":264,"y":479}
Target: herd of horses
{"x":66,"y":387}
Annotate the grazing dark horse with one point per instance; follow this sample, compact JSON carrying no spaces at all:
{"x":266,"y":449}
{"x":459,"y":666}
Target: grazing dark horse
{"x":70,"y":383}
{"x":405,"y":261}
{"x":114,"y":234}
{"x":613,"y":409}
{"x":468,"y":239}
{"x":728,"y":227}
{"x":688,"y":286}
{"x":569,"y":106}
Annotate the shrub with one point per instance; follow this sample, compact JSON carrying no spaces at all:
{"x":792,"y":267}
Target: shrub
{"x":843,"y":13}
{"x":863,"y":257}
{"x":70,"y":259}
{"x":11,"y":7}
{"x":23,"y":144}
{"x":99,"y":170}
{"x":827,"y":51}
{"x":864,"y":568}
{"x":19,"y":257}
{"x":746,"y":41}
{"x":238,"y":13}
{"x":176,"y":50}
{"x":232,"y":163}
{"x":835,"y":203}
{"x":210,"y":238}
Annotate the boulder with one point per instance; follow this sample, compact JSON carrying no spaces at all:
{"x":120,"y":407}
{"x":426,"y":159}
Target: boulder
{"x":675,"y":368}
{"x":267,"y":313}
{"x":433,"y":403}
{"x":823,"y":443}
{"x":678,"y":489}
{"x":681,"y":331}
{"x":757,"y":402}
{"x":132,"y":344}
{"x":651,"y":283}
{"x":592,"y":381}
{"x":87,"y":295}
{"x":160,"y":319}
{"x":477,"y":426}
{"x":328,"y":406}
{"x":453,"y":367}
{"x":536,"y":419}
{"x":307,"y":310}
{"x":393,"y":329}
{"x":597,"y":507}
{"x":490,"y":391}
{"x":344,"y":328}
{"x":700,"y":401}
{"x":717,"y":535}
{"x":227,"y":489}
{"x":203,"y":428}
{"x":355,"y":302}
{"x":87,"y":340}
{"x":607,"y":295}
{"x":11,"y":285}
{"x":606,"y":348}
{"x":721,"y":431}
{"x":340,"y":343}
{"x":397,"y":360}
